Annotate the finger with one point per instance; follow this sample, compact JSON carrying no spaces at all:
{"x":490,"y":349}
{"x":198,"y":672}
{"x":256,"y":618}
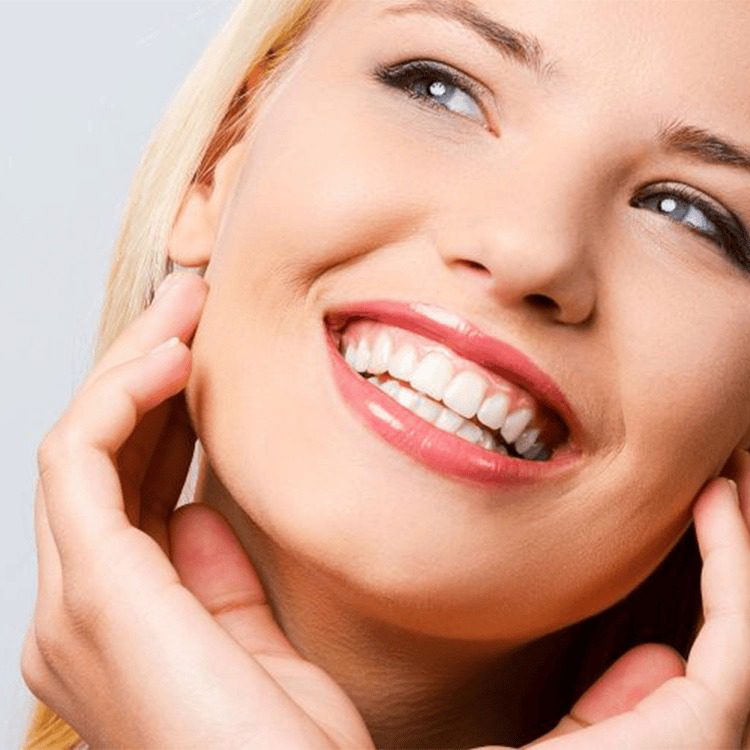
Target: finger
{"x":49,"y":569}
{"x":77,"y":469}
{"x":720,"y":656}
{"x":135,"y":456}
{"x":213,"y":565}
{"x":632,"y":677}
{"x":166,"y":473}
{"x":738,"y":469}
{"x":178,"y":300}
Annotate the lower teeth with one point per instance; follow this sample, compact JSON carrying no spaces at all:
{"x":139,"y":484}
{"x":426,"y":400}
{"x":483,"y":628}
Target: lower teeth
{"x":443,"y":418}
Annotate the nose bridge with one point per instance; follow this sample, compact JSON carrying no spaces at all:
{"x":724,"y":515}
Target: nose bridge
{"x":533,"y":227}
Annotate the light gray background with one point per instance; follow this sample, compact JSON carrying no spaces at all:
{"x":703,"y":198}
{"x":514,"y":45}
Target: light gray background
{"x":82,"y":84}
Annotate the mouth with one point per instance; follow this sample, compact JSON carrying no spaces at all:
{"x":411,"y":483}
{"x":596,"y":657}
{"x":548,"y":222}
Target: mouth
{"x":453,"y":397}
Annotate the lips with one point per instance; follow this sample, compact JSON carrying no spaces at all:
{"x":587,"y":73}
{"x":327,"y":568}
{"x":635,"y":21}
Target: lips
{"x":469,"y":342}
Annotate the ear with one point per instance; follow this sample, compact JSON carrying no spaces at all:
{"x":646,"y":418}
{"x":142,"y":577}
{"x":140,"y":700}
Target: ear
{"x":193,"y":235}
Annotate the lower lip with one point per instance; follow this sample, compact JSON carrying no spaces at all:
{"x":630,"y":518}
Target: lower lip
{"x":434,"y":447}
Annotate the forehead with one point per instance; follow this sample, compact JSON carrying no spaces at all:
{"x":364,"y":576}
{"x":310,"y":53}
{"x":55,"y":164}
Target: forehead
{"x":687,"y":56}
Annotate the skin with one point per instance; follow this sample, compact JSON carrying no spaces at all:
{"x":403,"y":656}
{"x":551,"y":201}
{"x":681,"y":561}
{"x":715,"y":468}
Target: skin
{"x":428,"y":595}
{"x":646,"y":329}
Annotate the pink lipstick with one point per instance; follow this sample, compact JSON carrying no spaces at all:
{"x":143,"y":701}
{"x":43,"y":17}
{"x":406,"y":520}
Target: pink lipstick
{"x":427,"y":444}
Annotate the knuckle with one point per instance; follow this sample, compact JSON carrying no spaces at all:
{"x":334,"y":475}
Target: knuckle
{"x":32,"y":665}
{"x":60,"y":443}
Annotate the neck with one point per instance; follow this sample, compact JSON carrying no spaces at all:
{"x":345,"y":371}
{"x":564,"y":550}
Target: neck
{"x":412,"y":690}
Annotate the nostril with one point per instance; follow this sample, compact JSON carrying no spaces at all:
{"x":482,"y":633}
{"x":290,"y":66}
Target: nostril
{"x":542,"y":301}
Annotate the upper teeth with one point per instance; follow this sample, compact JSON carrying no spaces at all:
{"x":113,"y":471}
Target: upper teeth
{"x":466,"y":392}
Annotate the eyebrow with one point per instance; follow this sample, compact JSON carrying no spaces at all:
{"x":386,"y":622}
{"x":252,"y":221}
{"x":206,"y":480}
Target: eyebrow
{"x":526,"y":49}
{"x":702,"y":144}
{"x":522,"y":48}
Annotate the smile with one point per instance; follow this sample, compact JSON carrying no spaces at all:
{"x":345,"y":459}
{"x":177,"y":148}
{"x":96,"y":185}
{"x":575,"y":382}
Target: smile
{"x":437,"y":388}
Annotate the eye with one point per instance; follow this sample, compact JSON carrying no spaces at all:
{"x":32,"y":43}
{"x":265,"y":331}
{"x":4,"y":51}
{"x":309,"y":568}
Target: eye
{"x":687,"y":207}
{"x":436,"y":85}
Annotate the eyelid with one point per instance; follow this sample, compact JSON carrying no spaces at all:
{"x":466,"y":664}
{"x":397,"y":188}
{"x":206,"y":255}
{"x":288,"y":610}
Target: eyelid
{"x":479,"y":91}
{"x":692,"y":194}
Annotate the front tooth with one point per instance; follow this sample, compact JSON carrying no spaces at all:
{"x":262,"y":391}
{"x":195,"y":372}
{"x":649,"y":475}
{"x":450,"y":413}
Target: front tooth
{"x":403,"y":362}
{"x":381,"y":353}
{"x":427,"y":408}
{"x":494,"y":410}
{"x":526,"y":439}
{"x":362,"y":356}
{"x":515,"y":424}
{"x":465,"y":392}
{"x":432,"y":375}
{"x":470,"y":431}
{"x":407,"y":397}
{"x":448,"y":420}
{"x":350,"y":353}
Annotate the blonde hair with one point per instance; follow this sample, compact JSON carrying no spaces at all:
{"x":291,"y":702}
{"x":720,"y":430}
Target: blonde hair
{"x":211,"y":111}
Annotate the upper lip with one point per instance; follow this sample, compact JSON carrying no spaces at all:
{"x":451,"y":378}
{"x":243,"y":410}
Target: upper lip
{"x":468,"y":341}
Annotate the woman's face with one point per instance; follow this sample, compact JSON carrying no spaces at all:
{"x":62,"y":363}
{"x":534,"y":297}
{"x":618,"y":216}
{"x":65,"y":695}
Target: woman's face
{"x":523,"y":207}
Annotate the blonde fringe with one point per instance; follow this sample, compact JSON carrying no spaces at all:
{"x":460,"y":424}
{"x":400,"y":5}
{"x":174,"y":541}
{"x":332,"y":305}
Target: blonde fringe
{"x":211,"y":111}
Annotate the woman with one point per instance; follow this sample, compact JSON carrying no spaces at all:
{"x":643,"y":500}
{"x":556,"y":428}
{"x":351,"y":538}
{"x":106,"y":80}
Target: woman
{"x":525,"y":224}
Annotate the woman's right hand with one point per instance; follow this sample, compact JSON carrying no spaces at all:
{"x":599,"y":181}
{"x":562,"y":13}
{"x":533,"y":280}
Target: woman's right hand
{"x":650,"y":698}
{"x":130,"y":647}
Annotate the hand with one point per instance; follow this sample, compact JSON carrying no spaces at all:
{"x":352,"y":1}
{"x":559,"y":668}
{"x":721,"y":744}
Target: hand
{"x":650,"y":699}
{"x":119,"y":646}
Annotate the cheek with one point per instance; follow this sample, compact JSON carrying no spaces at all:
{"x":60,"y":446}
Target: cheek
{"x":683,"y":382}
{"x":314,"y":196}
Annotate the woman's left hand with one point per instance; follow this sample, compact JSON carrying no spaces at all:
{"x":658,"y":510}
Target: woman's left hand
{"x":650,"y":699}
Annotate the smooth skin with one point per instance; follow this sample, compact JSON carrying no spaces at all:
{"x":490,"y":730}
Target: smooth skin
{"x":151,"y":628}
{"x":442,"y":607}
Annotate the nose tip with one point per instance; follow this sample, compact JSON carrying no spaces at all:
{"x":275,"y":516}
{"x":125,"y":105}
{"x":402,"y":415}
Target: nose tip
{"x":560,"y":286}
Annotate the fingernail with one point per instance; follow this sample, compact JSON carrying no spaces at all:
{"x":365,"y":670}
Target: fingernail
{"x":733,"y":489}
{"x":167,"y":283}
{"x":168,"y":344}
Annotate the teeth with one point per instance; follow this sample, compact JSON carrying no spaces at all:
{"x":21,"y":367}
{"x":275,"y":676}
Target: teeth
{"x":448,"y":420}
{"x":391,"y":387}
{"x":465,"y":392}
{"x":515,"y":424}
{"x":381,"y":353}
{"x":362,"y":356}
{"x":350,"y":354}
{"x":487,"y":441}
{"x":462,"y":396}
{"x":538,"y":450}
{"x":526,"y":439}
{"x":407,"y":397}
{"x":432,"y":375}
{"x":494,"y":410}
{"x":427,"y":408}
{"x":470,"y":431}
{"x":403,"y":362}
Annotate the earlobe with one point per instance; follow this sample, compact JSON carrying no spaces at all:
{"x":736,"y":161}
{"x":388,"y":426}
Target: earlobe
{"x":193,"y":236}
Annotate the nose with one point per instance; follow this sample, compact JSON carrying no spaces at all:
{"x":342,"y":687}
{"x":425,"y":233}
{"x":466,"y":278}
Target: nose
{"x":532,"y":254}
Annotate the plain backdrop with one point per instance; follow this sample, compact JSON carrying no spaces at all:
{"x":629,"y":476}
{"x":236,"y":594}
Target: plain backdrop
{"x":83,"y":84}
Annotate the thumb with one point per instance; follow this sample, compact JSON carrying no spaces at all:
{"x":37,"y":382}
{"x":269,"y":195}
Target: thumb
{"x":632,"y":677}
{"x":213,"y":566}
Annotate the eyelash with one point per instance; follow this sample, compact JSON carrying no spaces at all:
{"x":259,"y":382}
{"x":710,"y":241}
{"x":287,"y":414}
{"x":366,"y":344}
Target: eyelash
{"x":405,"y":75}
{"x":731,"y":236}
